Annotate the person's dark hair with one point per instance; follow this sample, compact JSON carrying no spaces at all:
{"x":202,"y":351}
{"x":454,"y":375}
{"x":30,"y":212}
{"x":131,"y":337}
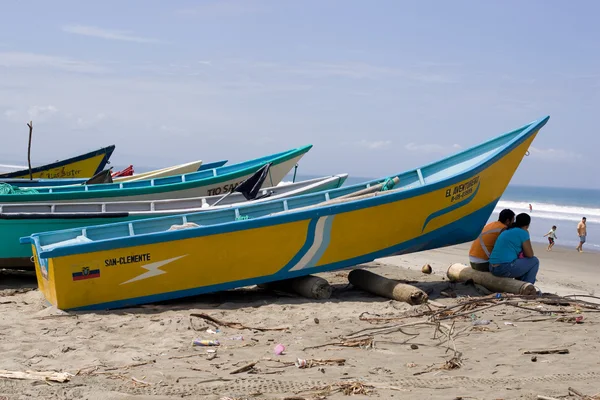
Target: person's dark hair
{"x":506,"y":214}
{"x":583,"y":218}
{"x":553,"y":226}
{"x":522,"y":220}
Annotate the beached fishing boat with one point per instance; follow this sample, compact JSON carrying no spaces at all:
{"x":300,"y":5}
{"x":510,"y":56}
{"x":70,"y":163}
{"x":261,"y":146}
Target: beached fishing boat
{"x":439,"y":204}
{"x":82,"y":166}
{"x":18,"y":220}
{"x":208,"y":182}
{"x":163,"y":172}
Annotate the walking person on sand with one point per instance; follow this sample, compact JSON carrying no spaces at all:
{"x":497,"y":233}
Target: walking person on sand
{"x":582,"y":233}
{"x":551,"y":237}
{"x":505,"y":261}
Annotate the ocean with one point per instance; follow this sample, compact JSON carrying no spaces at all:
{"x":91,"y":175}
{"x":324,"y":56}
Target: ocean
{"x":563,"y":207}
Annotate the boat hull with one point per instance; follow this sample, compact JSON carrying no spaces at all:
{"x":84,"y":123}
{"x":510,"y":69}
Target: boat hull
{"x":83,"y":166}
{"x":17,"y":222}
{"x":444,"y":213}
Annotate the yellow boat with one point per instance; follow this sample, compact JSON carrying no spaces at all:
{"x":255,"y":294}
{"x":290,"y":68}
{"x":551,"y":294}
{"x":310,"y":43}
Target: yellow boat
{"x":82,"y":166}
{"x":123,"y":264}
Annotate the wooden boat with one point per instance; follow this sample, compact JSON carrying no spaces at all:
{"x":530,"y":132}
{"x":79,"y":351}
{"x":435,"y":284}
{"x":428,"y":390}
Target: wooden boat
{"x":117,"y":265}
{"x":169,"y":171}
{"x":161,"y":173}
{"x":196,"y":184}
{"x":82,"y":166}
{"x":18,"y":220}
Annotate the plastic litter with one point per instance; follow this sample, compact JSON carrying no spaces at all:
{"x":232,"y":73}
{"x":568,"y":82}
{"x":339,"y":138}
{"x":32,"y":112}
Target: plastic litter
{"x":204,"y":342}
{"x":279,"y":349}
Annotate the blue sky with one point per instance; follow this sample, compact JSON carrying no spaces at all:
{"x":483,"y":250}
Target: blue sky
{"x":376,"y":87}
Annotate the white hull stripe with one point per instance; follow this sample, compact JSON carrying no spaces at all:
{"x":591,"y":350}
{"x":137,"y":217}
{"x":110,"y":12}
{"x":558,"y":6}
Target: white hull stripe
{"x":321,"y":241}
{"x":153,"y":269}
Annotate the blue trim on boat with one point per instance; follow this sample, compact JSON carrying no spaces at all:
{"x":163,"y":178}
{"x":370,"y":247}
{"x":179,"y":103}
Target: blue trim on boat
{"x":310,"y":238}
{"x":463,"y":230}
{"x":324,"y":244}
{"x":212,"y":165}
{"x":292,"y":216}
{"x":450,"y":208}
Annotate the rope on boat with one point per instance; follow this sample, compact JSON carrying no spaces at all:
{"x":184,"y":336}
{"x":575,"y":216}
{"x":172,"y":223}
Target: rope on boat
{"x":5,"y":188}
{"x":387,"y":184}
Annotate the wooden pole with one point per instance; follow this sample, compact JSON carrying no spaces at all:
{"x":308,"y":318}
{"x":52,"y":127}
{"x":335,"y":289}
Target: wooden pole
{"x":377,"y":284}
{"x":312,"y":287}
{"x":30,"y":125}
{"x":463,"y":273}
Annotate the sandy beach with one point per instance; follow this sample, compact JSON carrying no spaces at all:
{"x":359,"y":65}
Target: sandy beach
{"x":146,"y":352}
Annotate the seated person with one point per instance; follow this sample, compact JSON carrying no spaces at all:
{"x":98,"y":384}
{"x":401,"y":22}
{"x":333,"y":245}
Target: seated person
{"x":505,"y":260}
{"x":481,"y":248}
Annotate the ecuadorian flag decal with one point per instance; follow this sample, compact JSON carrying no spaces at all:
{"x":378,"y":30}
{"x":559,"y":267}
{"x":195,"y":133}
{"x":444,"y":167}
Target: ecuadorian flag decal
{"x":86,"y":273}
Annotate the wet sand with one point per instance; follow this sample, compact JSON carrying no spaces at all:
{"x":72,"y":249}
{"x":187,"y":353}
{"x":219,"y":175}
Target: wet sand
{"x":146,"y":352}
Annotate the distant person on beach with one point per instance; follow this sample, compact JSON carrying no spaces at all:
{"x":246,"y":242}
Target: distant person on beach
{"x":530,"y":208}
{"x":481,"y":248}
{"x":582,"y":233}
{"x":551,"y":237}
{"x":505,"y":260}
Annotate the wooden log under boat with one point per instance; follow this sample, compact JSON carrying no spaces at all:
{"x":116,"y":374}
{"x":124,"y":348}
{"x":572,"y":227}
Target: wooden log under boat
{"x":462,"y":273}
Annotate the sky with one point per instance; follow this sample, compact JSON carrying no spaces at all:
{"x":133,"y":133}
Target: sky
{"x":376,"y":87}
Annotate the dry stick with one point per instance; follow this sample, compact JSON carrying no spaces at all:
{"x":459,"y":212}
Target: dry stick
{"x":546,"y":398}
{"x":30,"y":125}
{"x":130,"y":365}
{"x":234,"y":325}
{"x":578,"y":393}
{"x":506,"y":302}
{"x":245,"y":368}
{"x":394,"y":328}
{"x":547,"y":351}
{"x":367,"y":342}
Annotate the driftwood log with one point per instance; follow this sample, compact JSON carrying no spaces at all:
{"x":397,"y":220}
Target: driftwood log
{"x":312,"y":287}
{"x":463,"y":273}
{"x":36,"y":375}
{"x":377,"y":284}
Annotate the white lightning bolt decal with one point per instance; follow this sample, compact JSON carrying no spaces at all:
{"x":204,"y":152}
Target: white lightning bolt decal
{"x":153,"y":269}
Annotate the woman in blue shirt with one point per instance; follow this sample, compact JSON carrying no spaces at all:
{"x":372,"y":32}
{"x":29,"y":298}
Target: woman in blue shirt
{"x":504,"y":259}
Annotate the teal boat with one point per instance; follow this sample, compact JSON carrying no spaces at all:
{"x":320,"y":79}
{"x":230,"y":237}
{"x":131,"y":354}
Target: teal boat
{"x":210,"y":182}
{"x":18,"y":220}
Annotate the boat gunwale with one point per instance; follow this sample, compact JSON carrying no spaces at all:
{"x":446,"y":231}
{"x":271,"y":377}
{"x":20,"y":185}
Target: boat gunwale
{"x":292,"y":216}
{"x":289,"y":188}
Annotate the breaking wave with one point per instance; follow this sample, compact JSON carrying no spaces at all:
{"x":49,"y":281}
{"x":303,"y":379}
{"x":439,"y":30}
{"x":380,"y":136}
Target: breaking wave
{"x":552,"y":211}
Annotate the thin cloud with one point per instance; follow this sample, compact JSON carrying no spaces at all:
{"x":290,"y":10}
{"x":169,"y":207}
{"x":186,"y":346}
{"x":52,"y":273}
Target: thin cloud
{"x":109,"y":34}
{"x":372,"y":144}
{"x":9,"y":113}
{"x":41,"y":111}
{"x":354,"y":70}
{"x":34,"y":60}
{"x":432,"y":148}
{"x":219,"y":8}
{"x":554,"y":154}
